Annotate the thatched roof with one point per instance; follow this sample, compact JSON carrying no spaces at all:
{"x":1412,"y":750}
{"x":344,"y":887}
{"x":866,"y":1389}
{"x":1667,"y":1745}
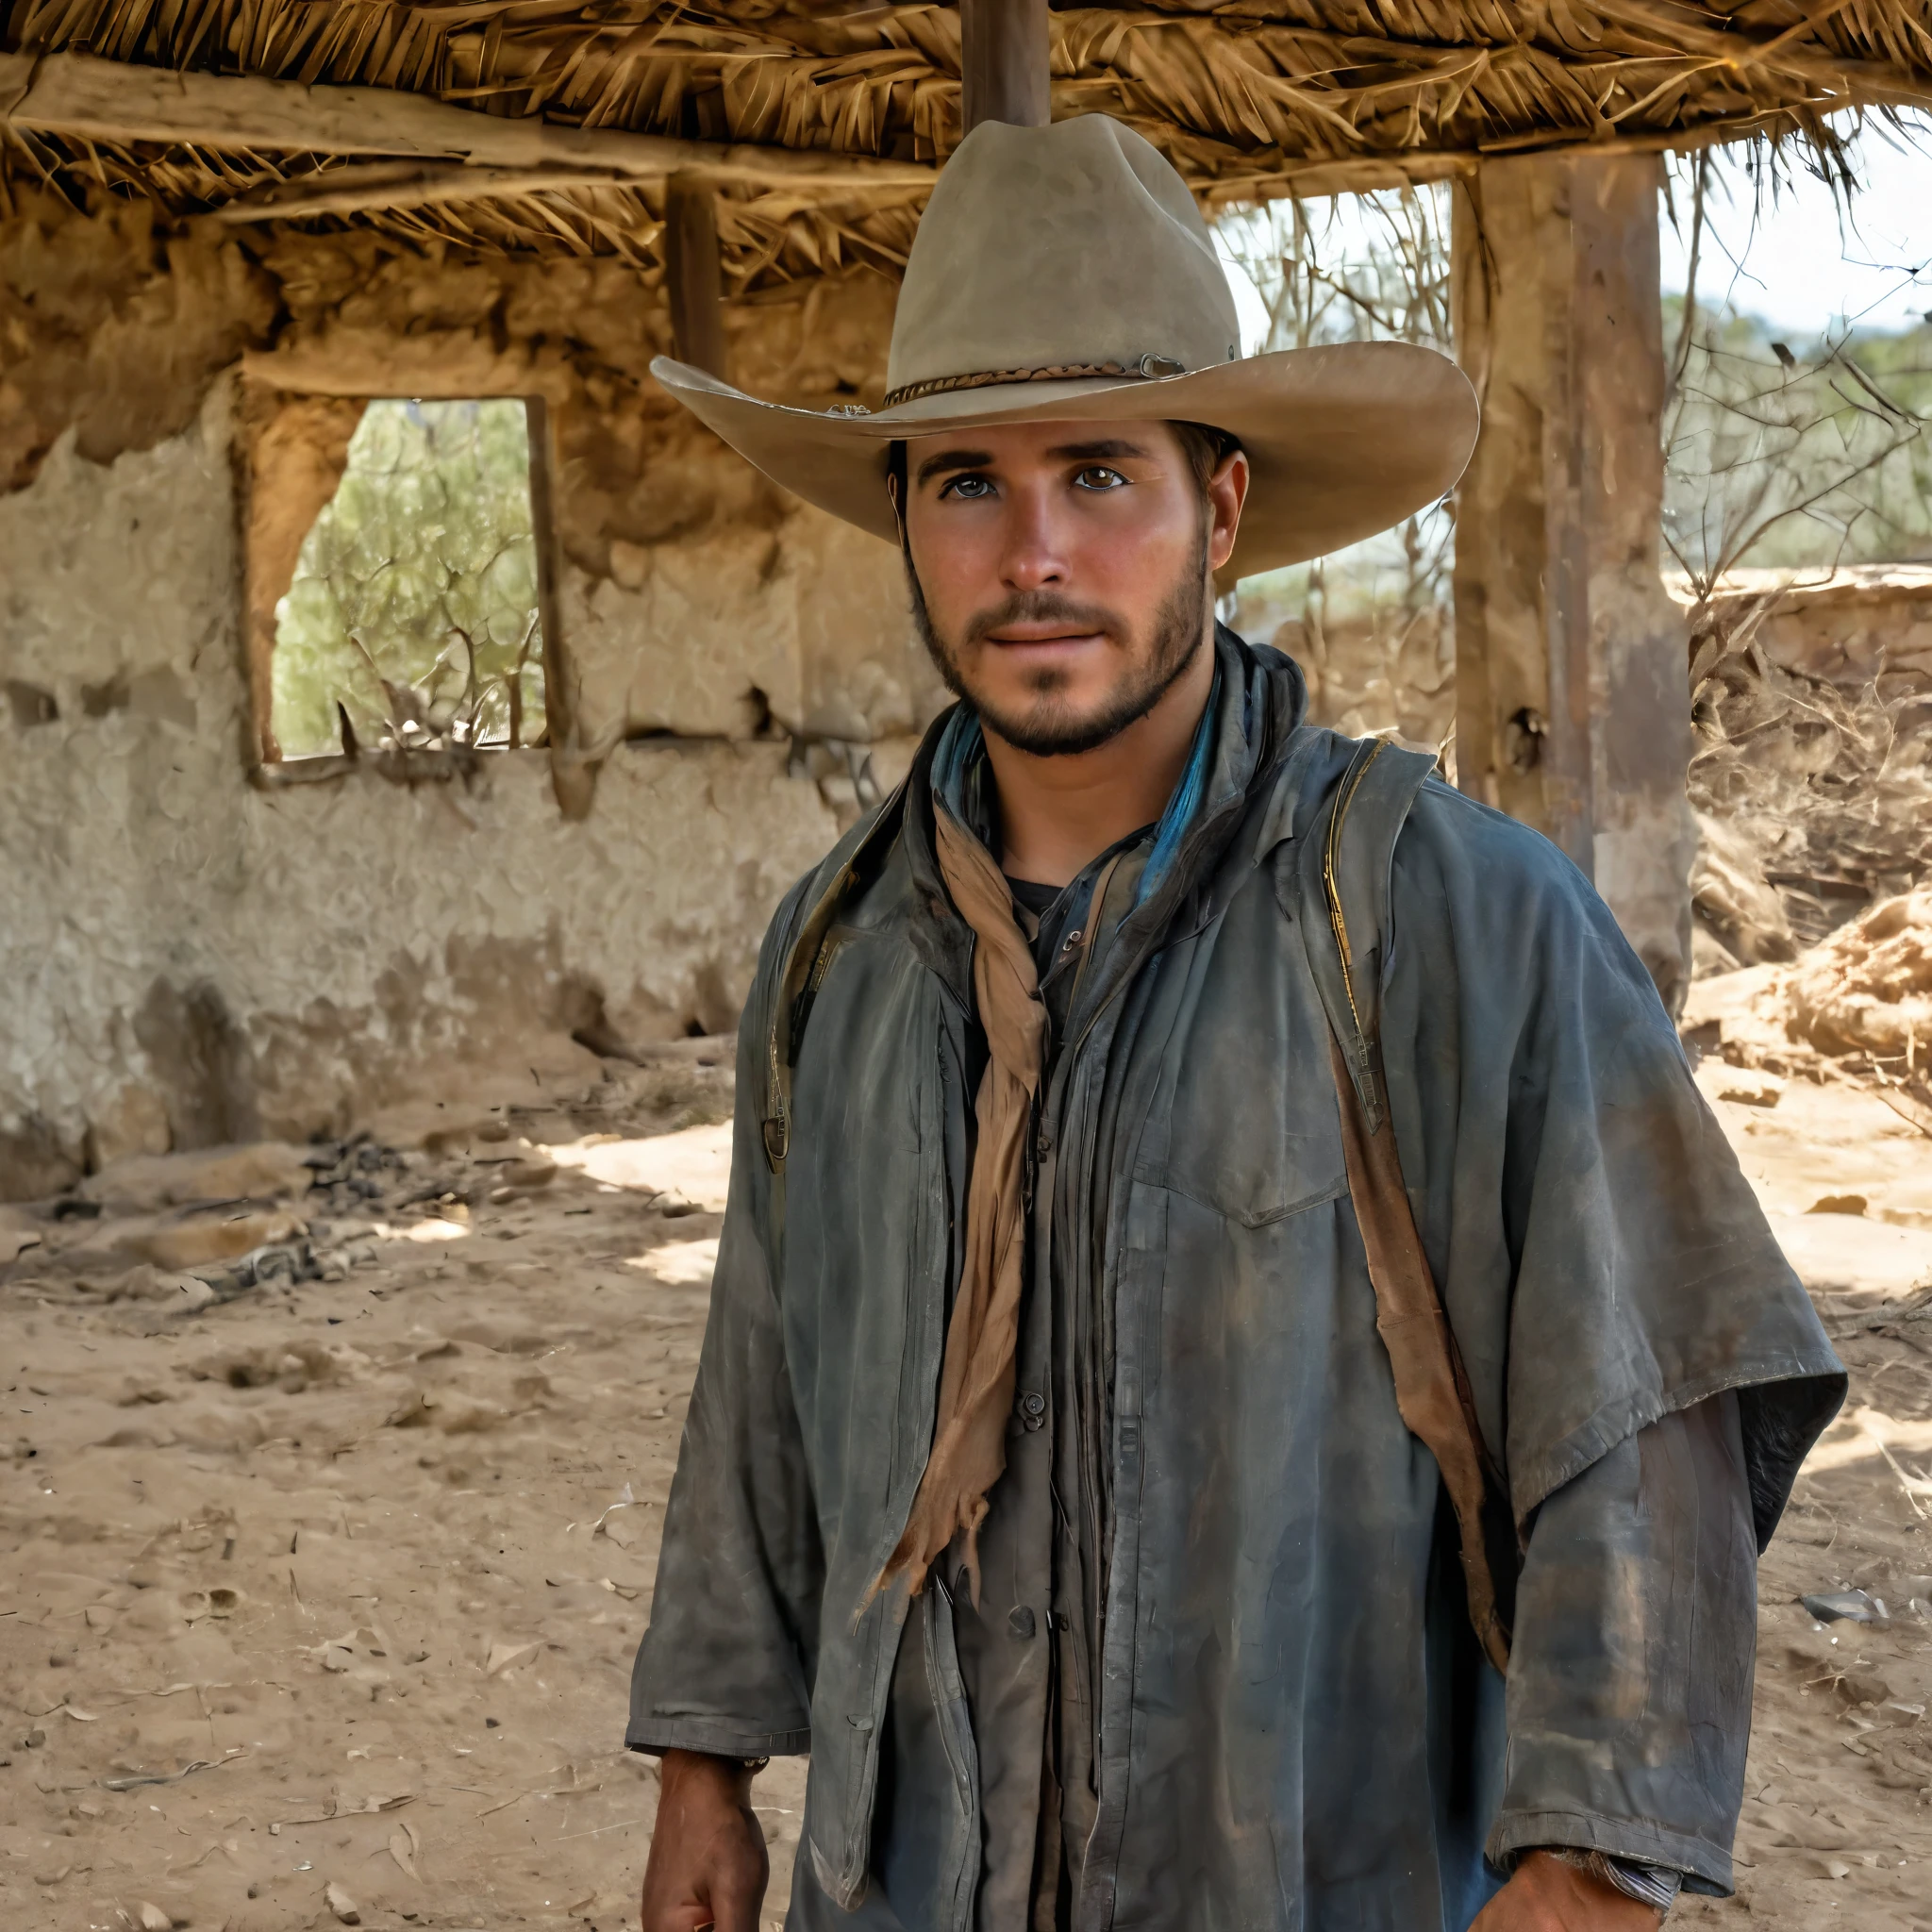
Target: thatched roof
{"x":1251,"y":98}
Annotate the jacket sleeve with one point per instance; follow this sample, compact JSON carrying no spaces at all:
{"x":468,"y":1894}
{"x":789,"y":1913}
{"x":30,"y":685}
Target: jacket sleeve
{"x":1645,"y":1365}
{"x":1602,"y":1258}
{"x":1629,"y":1698}
{"x":727,"y":1661}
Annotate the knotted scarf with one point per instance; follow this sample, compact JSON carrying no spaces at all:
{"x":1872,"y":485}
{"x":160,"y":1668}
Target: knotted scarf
{"x":969,"y":1451}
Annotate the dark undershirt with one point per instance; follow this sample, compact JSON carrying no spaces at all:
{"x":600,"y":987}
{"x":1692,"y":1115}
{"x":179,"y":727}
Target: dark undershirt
{"x":1051,"y":911}
{"x":1036,"y":899}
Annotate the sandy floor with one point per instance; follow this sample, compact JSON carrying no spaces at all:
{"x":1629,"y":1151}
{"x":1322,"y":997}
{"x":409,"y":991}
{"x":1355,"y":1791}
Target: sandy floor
{"x":336,"y":1585}
{"x":1838,"y":1819}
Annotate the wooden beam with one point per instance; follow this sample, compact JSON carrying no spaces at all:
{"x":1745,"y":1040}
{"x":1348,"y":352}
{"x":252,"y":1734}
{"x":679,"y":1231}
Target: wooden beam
{"x":1005,"y":55}
{"x":693,"y":274}
{"x":81,"y":97}
{"x":1267,"y":174}
{"x":376,"y":186}
{"x":395,"y":185}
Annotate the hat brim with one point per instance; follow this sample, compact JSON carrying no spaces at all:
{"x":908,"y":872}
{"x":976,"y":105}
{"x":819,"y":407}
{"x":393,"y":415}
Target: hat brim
{"x":1342,"y":441}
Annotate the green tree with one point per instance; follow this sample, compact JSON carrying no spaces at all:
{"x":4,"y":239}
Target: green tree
{"x":414,"y":602}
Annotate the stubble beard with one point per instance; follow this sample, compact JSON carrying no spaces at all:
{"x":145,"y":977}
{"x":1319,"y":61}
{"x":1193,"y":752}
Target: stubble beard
{"x":1049,"y":729}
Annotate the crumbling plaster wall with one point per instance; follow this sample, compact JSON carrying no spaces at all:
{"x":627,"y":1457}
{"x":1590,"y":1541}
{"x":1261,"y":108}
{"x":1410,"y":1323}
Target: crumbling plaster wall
{"x":190,"y":957}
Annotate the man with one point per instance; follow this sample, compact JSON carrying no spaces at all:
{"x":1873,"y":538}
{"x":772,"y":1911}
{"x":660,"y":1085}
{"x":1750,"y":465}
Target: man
{"x":1049,"y":1473}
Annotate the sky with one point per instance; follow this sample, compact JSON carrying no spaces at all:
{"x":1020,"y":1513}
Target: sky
{"x":1248,"y":298}
{"x":1804,"y":268}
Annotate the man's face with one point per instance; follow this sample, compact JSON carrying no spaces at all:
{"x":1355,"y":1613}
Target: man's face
{"x":1062,"y":571}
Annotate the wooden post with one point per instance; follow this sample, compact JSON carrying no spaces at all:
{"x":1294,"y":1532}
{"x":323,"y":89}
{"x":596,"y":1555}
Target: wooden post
{"x":1571,"y":712}
{"x":694,"y":276}
{"x":1004,"y":62}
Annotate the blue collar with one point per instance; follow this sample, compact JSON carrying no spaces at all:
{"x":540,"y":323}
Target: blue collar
{"x":959,"y":773}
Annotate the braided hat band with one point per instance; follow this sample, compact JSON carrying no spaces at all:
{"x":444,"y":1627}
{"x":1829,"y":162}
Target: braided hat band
{"x":1148,"y":369}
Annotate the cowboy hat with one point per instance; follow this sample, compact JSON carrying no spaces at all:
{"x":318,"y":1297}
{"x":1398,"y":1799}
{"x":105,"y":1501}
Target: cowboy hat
{"x":1064,"y":273}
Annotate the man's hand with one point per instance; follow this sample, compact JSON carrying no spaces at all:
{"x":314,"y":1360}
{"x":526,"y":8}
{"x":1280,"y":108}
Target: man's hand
{"x":1547,"y":1895}
{"x":707,"y":1864}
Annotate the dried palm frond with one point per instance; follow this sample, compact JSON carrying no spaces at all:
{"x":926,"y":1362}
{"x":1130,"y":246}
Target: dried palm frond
{"x":1249,"y":99}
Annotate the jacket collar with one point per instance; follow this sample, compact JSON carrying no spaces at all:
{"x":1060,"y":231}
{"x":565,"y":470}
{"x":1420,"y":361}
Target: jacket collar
{"x":1259,"y":698}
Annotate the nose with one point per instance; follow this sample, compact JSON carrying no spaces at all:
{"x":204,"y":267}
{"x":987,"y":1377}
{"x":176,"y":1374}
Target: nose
{"x":1034,"y":554}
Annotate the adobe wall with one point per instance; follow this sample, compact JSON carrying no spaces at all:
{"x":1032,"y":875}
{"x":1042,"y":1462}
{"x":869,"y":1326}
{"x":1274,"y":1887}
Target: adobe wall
{"x":1852,"y":626}
{"x":190,"y":957}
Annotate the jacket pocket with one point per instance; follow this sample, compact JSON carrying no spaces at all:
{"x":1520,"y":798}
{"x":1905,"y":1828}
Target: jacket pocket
{"x":1259,"y":1209}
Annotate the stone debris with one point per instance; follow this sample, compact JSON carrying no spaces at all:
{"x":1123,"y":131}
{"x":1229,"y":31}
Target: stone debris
{"x":1853,"y":1606}
{"x":1751,"y":1087}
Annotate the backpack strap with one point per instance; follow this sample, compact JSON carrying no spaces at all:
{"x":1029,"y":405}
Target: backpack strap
{"x":1346,"y":873}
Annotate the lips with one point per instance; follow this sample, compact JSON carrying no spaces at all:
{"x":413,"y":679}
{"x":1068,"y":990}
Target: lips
{"x":1053,"y":626}
{"x":1042,"y":639}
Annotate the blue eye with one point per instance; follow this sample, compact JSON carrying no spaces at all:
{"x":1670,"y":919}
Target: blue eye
{"x":975,"y":489}
{"x":1098,"y":476}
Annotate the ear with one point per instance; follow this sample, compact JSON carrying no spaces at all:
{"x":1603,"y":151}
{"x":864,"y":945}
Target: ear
{"x":1227,"y":491}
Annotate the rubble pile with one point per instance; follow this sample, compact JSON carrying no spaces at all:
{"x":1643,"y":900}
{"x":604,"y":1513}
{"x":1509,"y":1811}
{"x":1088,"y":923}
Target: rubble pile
{"x":1857,"y":1005}
{"x":1813,"y":882}
{"x":177,"y":1233}
{"x":1868,"y":989}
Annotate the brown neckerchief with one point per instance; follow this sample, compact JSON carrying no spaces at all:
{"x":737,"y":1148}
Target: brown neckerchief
{"x":969,"y":1450}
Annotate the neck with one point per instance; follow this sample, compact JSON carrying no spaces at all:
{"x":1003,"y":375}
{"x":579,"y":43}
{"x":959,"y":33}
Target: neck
{"x":1058,"y":814}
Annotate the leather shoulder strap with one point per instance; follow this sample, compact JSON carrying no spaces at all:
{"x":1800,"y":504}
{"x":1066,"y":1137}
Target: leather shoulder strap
{"x":1350,"y":857}
{"x":1345,"y":864}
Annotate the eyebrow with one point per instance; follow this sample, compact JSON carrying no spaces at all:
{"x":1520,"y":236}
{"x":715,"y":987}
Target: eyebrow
{"x":953,"y":460}
{"x":1107,"y":449}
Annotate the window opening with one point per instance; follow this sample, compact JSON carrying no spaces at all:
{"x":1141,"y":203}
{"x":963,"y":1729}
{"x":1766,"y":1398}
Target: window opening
{"x":412,"y":621}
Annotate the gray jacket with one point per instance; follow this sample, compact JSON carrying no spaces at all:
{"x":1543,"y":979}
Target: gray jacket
{"x":1279,"y":1738}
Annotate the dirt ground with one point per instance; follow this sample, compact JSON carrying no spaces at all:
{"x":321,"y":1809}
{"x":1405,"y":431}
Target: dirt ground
{"x":325,"y":1561}
{"x":1837,"y":1826}
{"x":337,"y":1584}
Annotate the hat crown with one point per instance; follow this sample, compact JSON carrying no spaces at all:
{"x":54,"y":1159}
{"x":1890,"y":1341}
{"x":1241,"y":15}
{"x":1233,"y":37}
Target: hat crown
{"x":1071,"y":248}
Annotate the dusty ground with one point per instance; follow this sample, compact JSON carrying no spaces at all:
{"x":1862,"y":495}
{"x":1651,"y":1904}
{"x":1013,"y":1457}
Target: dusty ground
{"x":324,"y":1585}
{"x":1837,"y":1826}
{"x":335,"y":1583}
